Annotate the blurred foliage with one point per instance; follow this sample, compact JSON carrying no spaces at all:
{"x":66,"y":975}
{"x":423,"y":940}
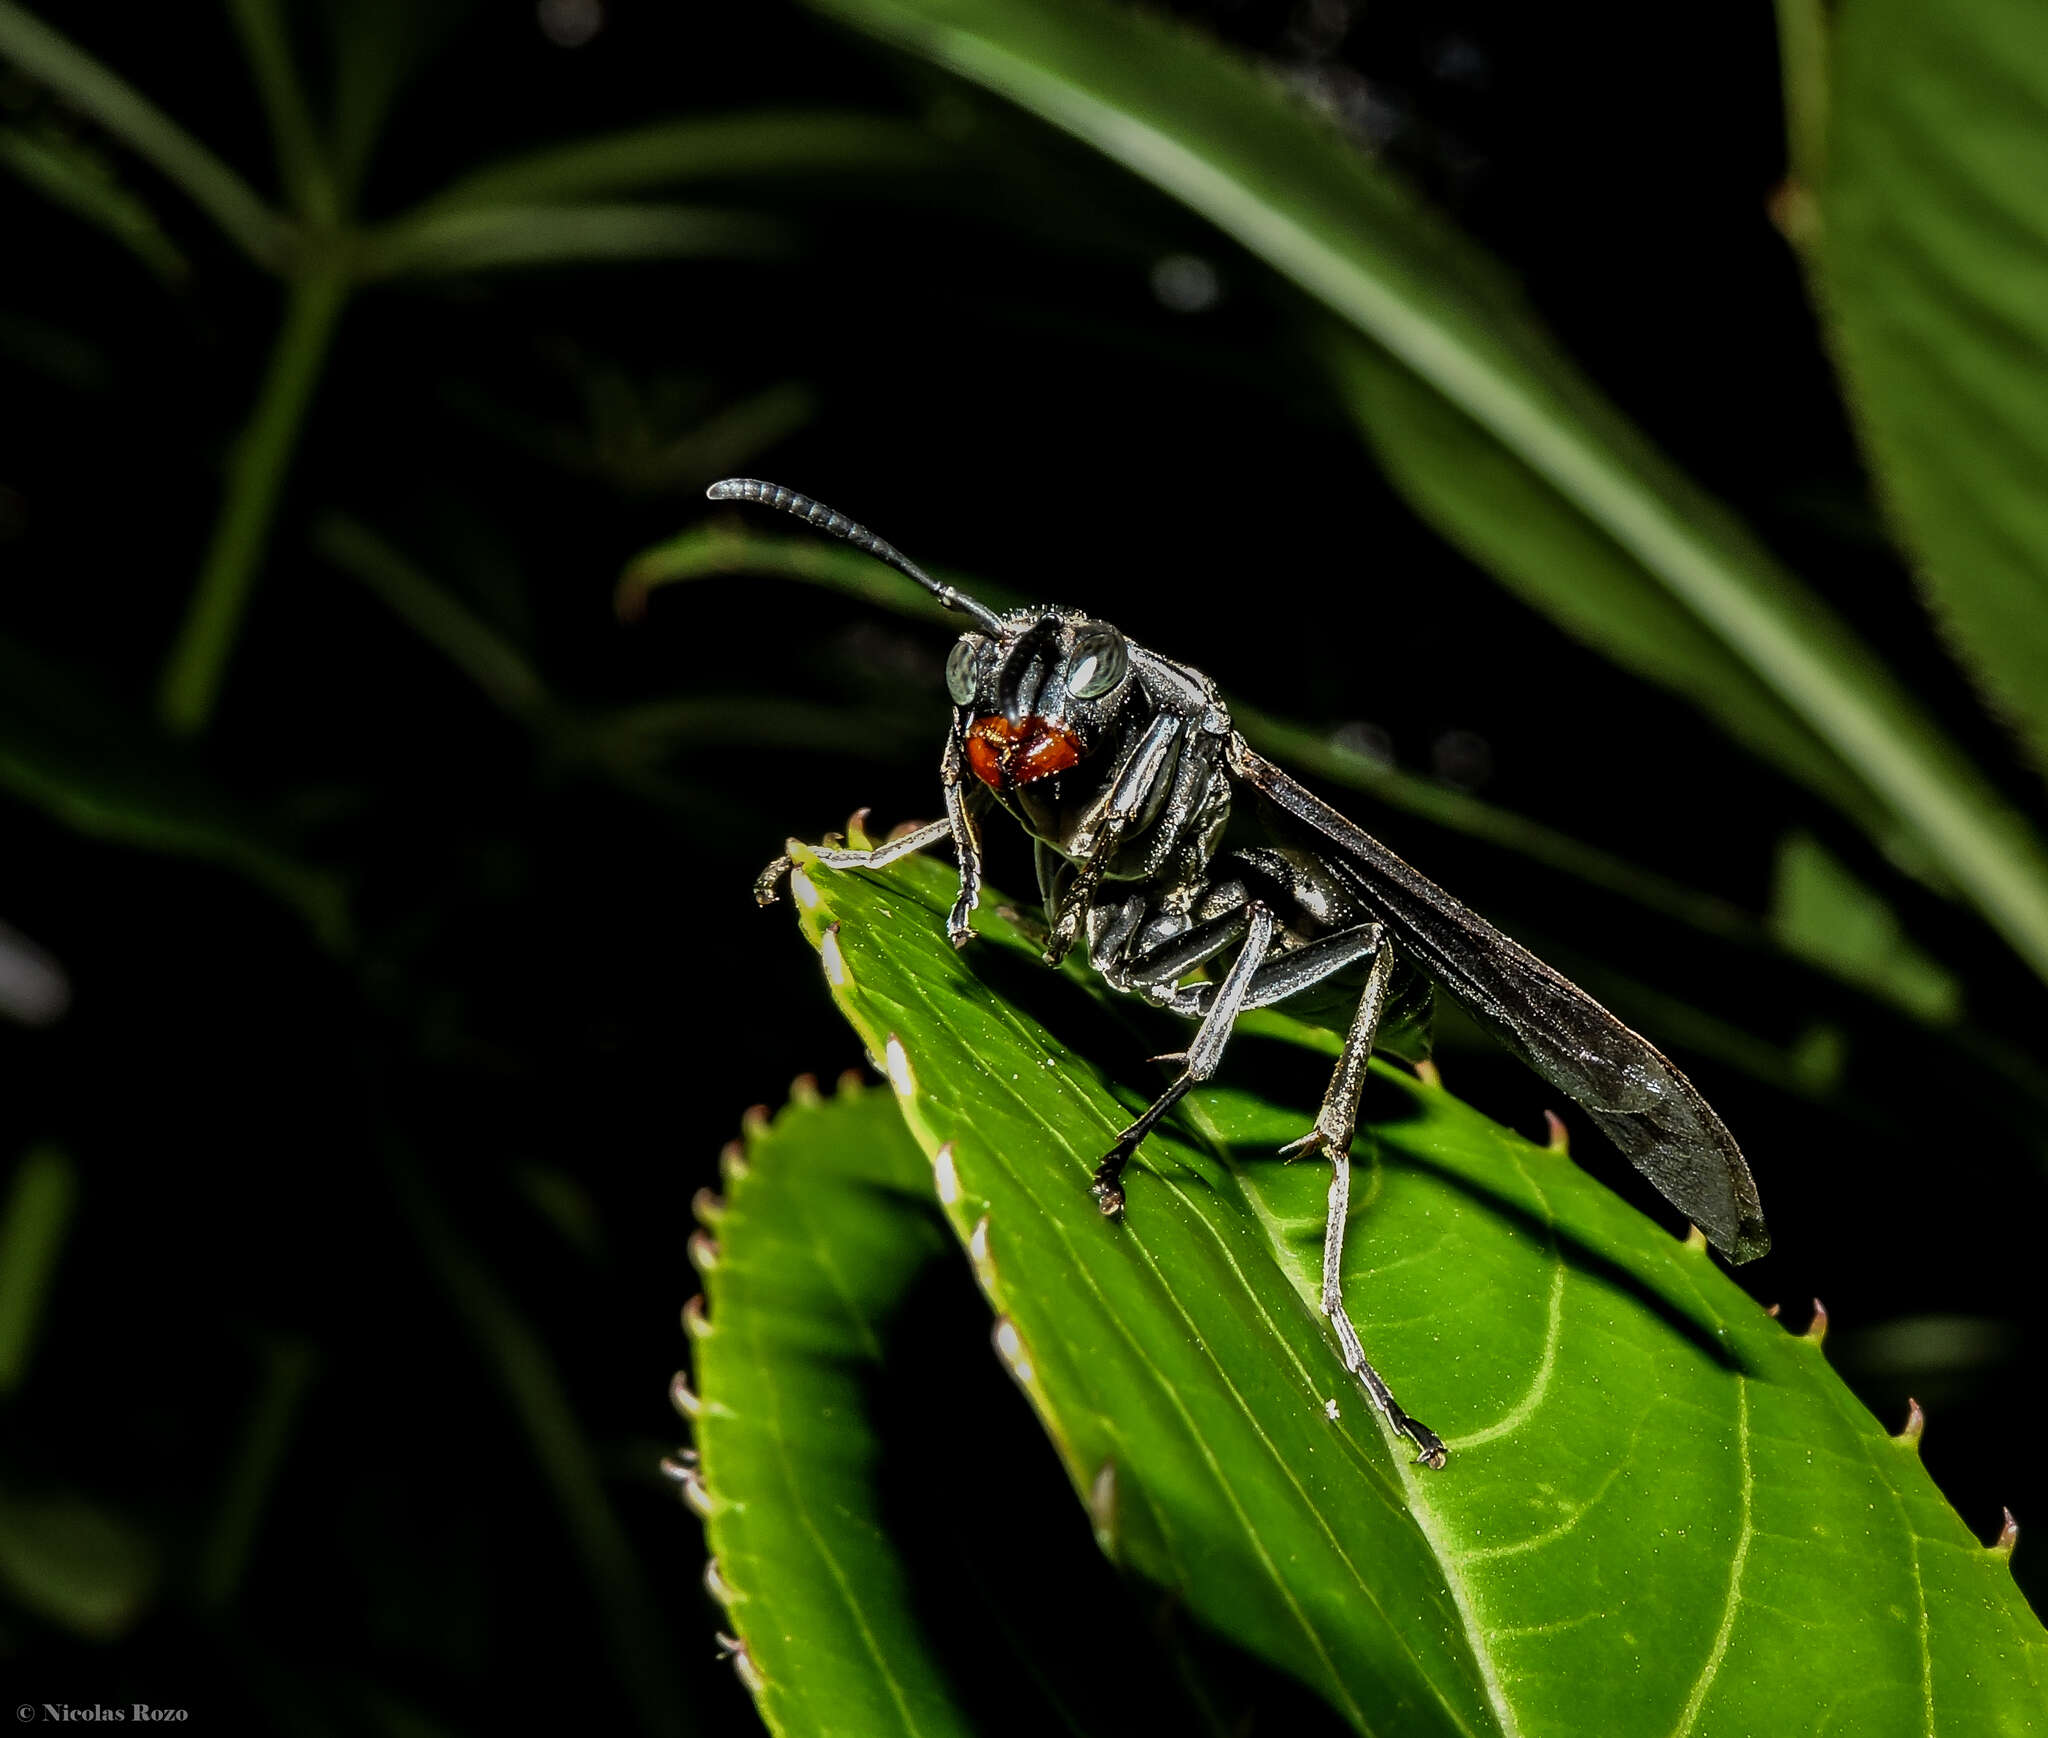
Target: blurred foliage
{"x":377,"y":960}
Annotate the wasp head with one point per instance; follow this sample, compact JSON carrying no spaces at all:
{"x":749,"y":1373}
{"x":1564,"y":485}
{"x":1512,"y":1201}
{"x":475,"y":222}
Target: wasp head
{"x":1037,"y":694}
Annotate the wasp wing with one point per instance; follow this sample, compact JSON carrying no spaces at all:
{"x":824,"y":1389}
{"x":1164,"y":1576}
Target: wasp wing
{"x":1634,"y":1095}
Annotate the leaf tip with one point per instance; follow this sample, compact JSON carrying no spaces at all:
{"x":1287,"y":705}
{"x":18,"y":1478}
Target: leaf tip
{"x":732,"y":1163}
{"x":2008,"y":1537}
{"x":1011,"y":1349}
{"x":896,"y":1065}
{"x":1915,"y":1426}
{"x":834,"y":960}
{"x":857,"y":830}
{"x":945,"y":1176}
{"x":978,"y":1252}
{"x":1557,"y":1138}
{"x":695,"y":1322}
{"x":696,"y":1494}
{"x":1817,"y":1329}
{"x":683,"y":1397}
{"x":1102,"y":1508}
{"x":730,"y":1647}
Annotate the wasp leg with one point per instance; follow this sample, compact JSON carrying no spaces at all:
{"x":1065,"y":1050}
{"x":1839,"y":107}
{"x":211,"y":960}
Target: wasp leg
{"x":1336,"y":1123}
{"x":768,"y":884}
{"x":966,"y":831}
{"x":1200,"y":1062}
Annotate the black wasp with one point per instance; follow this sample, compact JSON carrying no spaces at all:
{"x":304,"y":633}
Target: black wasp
{"x":1125,"y":770}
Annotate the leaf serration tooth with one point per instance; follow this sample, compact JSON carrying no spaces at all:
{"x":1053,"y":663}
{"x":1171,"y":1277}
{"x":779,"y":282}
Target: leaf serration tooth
{"x":2008,"y":1537}
{"x":1557,"y":1137}
{"x":707,"y":1207}
{"x":704,"y":1252}
{"x":731,"y":1647}
{"x":696,"y":1494}
{"x":717,"y":1586}
{"x":684,"y":1398}
{"x":1817,"y":1329}
{"x":803,"y":1090}
{"x":1102,"y":1508}
{"x":1915,"y":1426}
{"x":732,"y":1163}
{"x":696,"y":1323}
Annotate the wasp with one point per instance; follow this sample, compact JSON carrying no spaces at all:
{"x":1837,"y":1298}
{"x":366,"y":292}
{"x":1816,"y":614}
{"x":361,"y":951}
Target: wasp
{"x":1167,"y":846}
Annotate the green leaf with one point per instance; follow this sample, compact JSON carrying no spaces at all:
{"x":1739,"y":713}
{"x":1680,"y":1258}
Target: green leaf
{"x":83,"y":181}
{"x":1662,"y":1512}
{"x":1822,"y":913}
{"x":99,"y":772}
{"x":757,"y":142}
{"x":131,"y":117}
{"x":1934,"y":244}
{"x":1556,"y":559}
{"x":1290,"y":189}
{"x":34,"y":1222}
{"x":825,"y":1226}
{"x":491,"y":237}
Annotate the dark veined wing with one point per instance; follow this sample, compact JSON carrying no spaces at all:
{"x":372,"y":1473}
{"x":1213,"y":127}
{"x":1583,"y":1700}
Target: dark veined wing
{"x":1633,"y":1094}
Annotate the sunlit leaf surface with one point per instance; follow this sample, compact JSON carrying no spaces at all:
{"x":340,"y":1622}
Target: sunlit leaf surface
{"x":1662,"y":1512}
{"x":1935,"y":246}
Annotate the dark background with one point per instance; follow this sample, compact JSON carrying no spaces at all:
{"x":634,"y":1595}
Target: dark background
{"x":341,"y":1194}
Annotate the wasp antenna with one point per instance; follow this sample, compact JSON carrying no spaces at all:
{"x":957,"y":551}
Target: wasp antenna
{"x":837,"y":524}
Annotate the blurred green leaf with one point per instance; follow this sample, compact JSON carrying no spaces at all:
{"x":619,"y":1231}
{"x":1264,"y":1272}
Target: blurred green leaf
{"x":481,"y":238}
{"x":104,"y":774}
{"x":301,"y":152}
{"x":1558,"y":560}
{"x":1234,"y":147}
{"x":1935,"y":256}
{"x":74,"y":1562}
{"x":1647,"y":1473}
{"x":827,"y":1222}
{"x":539,"y":1402}
{"x":757,"y":142}
{"x":83,"y":182}
{"x":1822,"y":913}
{"x":131,"y":117}
{"x":486,"y":657}
{"x":34,"y":1222}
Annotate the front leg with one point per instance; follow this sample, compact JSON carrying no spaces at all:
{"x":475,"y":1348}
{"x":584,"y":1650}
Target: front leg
{"x":959,"y":825}
{"x":768,"y":884}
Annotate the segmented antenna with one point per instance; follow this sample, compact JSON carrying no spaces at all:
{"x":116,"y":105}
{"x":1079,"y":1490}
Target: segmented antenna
{"x":838,"y":525}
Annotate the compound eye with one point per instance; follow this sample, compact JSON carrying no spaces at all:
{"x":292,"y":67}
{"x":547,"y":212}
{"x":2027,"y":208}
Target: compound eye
{"x":1099,"y":662}
{"x":960,"y":662}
